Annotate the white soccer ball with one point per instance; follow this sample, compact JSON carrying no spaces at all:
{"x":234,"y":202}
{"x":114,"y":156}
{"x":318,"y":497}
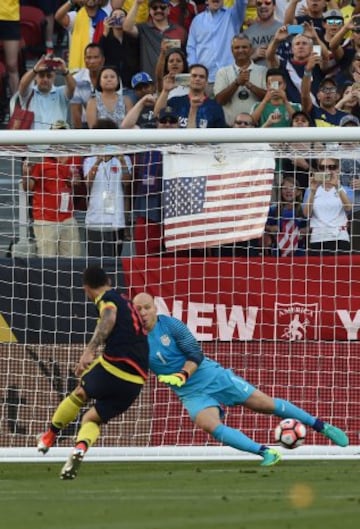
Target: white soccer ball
{"x":290,"y":433}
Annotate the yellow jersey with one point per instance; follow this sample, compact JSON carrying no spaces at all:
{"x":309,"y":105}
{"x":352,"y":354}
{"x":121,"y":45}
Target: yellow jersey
{"x":10,"y":10}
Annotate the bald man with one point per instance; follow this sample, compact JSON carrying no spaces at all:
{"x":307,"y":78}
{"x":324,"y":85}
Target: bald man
{"x":204,"y":386}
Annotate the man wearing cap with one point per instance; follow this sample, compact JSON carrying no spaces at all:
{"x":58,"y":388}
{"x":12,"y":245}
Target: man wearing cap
{"x":332,"y":22}
{"x":48,"y":102}
{"x":151,"y":33}
{"x":195,"y":110}
{"x":326,"y":114}
{"x":141,"y":115}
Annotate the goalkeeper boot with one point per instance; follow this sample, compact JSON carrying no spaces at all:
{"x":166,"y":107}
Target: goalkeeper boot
{"x":335,"y":434}
{"x":270,"y":457}
{"x":71,"y":467}
{"x":45,"y":441}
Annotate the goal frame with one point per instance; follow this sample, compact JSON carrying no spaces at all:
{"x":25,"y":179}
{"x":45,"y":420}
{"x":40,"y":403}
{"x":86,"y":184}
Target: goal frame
{"x":169,"y":137}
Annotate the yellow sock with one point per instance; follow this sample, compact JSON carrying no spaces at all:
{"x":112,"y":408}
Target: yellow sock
{"x":67,"y":411}
{"x":88,"y":433}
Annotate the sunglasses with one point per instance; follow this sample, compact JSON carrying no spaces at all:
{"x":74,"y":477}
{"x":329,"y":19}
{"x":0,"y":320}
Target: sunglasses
{"x":330,"y":167}
{"x":328,"y":90}
{"x":172,"y":121}
{"x":245,"y":123}
{"x":163,"y":7}
{"x":334,"y":21}
{"x":259,"y":3}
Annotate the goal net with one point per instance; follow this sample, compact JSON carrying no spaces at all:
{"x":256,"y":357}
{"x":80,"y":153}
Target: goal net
{"x":245,"y":284}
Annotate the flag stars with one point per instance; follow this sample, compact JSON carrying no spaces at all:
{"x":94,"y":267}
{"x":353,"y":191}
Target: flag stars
{"x":184,"y":196}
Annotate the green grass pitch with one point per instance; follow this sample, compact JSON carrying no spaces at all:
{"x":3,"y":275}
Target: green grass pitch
{"x":176,"y":495}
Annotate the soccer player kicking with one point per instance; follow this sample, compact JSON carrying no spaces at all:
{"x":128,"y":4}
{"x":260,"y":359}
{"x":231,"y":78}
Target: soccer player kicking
{"x":203,"y":385}
{"x":114,"y":379}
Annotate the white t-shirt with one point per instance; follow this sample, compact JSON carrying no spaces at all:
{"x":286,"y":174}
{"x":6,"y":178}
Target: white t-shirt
{"x":328,"y":221}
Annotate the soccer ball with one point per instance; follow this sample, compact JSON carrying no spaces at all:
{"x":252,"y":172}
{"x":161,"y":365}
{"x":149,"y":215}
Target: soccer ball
{"x":290,"y":433}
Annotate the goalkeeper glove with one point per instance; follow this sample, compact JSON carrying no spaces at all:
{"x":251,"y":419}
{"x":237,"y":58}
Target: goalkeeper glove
{"x":175,"y":379}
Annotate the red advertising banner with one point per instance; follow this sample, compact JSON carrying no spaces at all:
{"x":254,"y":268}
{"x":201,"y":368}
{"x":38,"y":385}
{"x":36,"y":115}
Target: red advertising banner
{"x":256,"y":299}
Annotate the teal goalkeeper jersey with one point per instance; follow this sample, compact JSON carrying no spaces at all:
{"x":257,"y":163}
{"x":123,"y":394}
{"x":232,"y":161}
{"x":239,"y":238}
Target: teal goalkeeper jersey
{"x":171,"y":345}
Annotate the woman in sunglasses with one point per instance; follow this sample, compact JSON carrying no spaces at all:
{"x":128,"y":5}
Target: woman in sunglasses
{"x":328,"y":205}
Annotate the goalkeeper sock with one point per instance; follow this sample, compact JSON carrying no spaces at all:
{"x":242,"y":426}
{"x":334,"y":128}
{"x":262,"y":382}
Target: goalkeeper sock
{"x":287,"y":410}
{"x":231,"y":437}
{"x":88,"y":433}
{"x":66,"y":412}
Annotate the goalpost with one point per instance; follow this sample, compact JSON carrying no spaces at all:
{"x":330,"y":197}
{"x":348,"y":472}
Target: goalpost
{"x":241,"y":309}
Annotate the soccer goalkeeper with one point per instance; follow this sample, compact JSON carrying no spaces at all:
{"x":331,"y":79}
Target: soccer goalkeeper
{"x":114,"y":379}
{"x":203,"y":385}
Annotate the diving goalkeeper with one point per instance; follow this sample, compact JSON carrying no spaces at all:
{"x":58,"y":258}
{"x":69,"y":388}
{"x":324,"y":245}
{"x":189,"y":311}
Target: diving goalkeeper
{"x":203,"y":385}
{"x":114,"y":378}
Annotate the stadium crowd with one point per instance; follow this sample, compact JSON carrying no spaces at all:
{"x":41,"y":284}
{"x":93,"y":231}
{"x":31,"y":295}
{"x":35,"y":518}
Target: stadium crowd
{"x":186,"y":63}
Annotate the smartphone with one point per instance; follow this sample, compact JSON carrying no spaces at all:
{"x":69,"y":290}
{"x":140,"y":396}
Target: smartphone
{"x":116,"y":22}
{"x":295,"y":29}
{"x":274,"y":85}
{"x":321,"y":177}
{"x":173,"y":43}
{"x":182,"y":79}
{"x":317,"y":49}
{"x":355,"y":86}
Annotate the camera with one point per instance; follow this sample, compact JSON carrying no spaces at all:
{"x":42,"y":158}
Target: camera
{"x":243,"y":94}
{"x":116,"y":22}
{"x":173,"y":43}
{"x":182,"y":79}
{"x":274,"y":85}
{"x":52,"y":63}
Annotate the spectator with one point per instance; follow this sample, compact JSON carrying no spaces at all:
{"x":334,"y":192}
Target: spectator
{"x":107,"y":178}
{"x":350,"y":177}
{"x":10,"y":35}
{"x":48,"y":102}
{"x":274,"y":110}
{"x":108,"y":102}
{"x":83,"y":26}
{"x":327,"y":204}
{"x":261,"y":32}
{"x":151,"y":33}
{"x":350,"y":99}
{"x":86,"y":81}
{"x":173,"y":61}
{"x":148,"y":214}
{"x":293,"y":69}
{"x":333,"y":20}
{"x":326,"y":114}
{"x":194,"y":109}
{"x":141,"y":115}
{"x":351,"y":74}
{"x":52,"y":183}
{"x":243,"y":120}
{"x":345,"y":48}
{"x":286,"y":228}
{"x":239,"y":85}
{"x":120,"y":49}
{"x":313,"y":14}
{"x":210,"y":35}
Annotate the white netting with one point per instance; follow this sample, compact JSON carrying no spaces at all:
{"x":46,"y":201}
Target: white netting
{"x":243,"y":309}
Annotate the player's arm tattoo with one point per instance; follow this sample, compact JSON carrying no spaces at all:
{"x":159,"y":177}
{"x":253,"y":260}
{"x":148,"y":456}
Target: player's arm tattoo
{"x":103,"y":328}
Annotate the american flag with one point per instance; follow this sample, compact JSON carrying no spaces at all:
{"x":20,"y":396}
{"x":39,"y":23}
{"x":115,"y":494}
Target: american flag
{"x":209,"y":203}
{"x":288,"y":238}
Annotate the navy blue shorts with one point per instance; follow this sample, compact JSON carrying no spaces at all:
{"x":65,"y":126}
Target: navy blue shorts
{"x":10,"y":30}
{"x":112,"y":395}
